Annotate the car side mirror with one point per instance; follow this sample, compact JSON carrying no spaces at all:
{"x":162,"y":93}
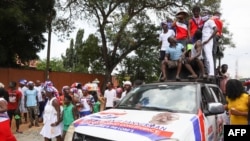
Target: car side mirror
{"x":116,"y":102}
{"x":215,"y":108}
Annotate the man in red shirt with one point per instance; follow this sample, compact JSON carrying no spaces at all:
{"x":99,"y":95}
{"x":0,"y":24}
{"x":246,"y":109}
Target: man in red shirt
{"x":195,"y":23}
{"x":218,"y":22}
{"x":14,"y":103}
{"x":181,"y":27}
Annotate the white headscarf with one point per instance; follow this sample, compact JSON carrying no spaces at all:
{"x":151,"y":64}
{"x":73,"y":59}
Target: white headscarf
{"x":1,"y":85}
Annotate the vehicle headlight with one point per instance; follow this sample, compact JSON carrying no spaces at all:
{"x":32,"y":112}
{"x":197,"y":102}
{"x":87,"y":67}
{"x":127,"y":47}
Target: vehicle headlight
{"x":70,"y":133}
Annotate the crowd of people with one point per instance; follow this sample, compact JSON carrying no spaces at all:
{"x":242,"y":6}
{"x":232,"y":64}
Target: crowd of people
{"x":57,"y":110}
{"x":189,"y":41}
{"x":37,"y":102}
{"x":182,"y":43}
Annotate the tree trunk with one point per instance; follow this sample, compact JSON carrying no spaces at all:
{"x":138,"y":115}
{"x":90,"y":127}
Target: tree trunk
{"x":107,"y":78}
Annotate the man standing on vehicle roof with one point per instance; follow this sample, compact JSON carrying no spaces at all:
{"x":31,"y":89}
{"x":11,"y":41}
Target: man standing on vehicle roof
{"x":195,"y":23}
{"x":209,"y":31}
{"x":218,"y":36}
{"x":163,"y":38}
{"x":181,"y":27}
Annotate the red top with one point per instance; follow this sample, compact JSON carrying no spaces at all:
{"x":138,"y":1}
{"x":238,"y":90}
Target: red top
{"x":219,"y":25}
{"x":14,"y":97}
{"x":194,"y":23}
{"x":61,"y":99}
{"x":181,"y":30}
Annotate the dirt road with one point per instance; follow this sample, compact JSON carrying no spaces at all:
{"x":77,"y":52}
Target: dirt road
{"x":29,"y":134}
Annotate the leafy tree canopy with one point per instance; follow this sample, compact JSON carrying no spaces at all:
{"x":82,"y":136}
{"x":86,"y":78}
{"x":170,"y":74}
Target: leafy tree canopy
{"x":123,"y":27}
{"x":55,"y":65}
{"x":83,"y":56}
{"x":22,"y":24}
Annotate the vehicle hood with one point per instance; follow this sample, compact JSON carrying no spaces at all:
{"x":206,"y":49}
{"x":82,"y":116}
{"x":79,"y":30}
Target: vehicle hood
{"x":134,"y":125}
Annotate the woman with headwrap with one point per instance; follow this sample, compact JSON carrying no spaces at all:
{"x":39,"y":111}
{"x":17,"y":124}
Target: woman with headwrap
{"x":52,"y":116}
{"x":65,"y":91}
{"x":73,"y":93}
{"x":86,"y":103}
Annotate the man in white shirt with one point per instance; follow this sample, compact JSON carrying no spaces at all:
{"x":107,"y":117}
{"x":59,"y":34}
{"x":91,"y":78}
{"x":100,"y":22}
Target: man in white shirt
{"x":109,"y":95}
{"x":41,"y":101}
{"x":209,"y":30}
{"x":163,"y":38}
{"x":22,"y":88}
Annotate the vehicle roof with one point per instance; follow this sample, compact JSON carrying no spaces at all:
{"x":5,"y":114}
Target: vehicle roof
{"x":183,"y":81}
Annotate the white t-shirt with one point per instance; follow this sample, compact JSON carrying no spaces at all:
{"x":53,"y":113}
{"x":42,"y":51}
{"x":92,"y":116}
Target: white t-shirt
{"x":85,"y":100}
{"x":123,"y":95}
{"x":207,"y":29}
{"x":22,"y":90}
{"x":85,"y":104}
{"x":110,"y":96}
{"x":194,"y":52}
{"x":164,"y":39}
{"x":39,"y":94}
{"x":79,"y":93}
{"x":4,"y":116}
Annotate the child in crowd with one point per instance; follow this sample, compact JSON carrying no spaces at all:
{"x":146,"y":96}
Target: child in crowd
{"x":224,"y":77}
{"x":96,"y":106}
{"x":69,"y":113}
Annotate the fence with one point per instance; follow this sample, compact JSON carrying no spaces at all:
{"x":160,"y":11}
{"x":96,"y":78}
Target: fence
{"x":59,"y":79}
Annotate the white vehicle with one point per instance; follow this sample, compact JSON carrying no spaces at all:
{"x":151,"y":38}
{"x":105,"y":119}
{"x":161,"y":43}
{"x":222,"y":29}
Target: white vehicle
{"x":166,"y":111}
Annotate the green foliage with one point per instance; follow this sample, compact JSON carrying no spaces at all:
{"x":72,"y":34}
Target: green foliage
{"x":214,"y":5}
{"x":83,"y":55}
{"x":92,"y":56}
{"x":55,"y":65}
{"x":69,"y":58}
{"x":22,"y":24}
{"x":143,"y":64}
{"x":124,"y":27}
{"x":115,"y":22}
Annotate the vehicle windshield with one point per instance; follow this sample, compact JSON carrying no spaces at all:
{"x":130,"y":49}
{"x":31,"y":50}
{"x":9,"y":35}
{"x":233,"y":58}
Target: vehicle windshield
{"x":172,"y":98}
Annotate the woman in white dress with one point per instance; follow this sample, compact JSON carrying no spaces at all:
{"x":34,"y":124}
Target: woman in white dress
{"x":52,"y":117}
